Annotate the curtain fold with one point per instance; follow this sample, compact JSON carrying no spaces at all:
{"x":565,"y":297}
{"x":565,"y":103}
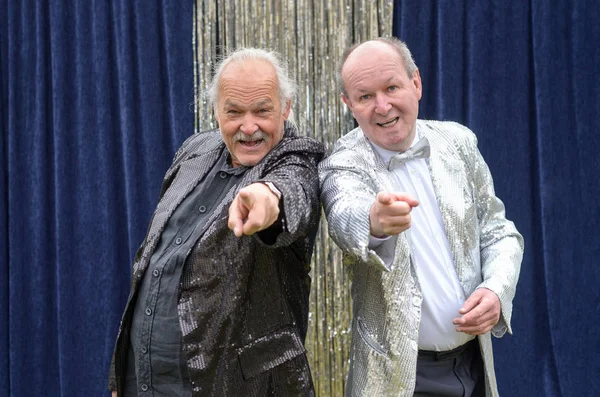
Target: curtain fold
{"x":522,"y":75}
{"x":97,"y":98}
{"x":566,"y":60}
{"x":4,"y":268}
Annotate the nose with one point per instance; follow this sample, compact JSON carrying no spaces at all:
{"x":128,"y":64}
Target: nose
{"x":249,"y":125}
{"x":382,"y":105}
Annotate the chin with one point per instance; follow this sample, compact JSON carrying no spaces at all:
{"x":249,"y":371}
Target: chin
{"x":401,"y":138}
{"x":249,"y":161}
{"x":397,"y":145}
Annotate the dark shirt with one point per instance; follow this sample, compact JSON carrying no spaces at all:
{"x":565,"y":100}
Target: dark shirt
{"x":155,"y":364}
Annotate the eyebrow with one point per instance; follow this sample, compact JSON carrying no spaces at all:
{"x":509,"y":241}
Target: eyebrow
{"x":230,"y":103}
{"x":263,"y":102}
{"x":389,"y":80}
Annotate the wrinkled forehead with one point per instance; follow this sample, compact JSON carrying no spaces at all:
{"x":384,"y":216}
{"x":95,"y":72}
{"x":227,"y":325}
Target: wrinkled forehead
{"x":249,"y":79}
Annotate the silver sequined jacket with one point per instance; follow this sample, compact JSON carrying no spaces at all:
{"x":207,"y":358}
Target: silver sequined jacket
{"x":486,"y":247}
{"x":243,"y":304}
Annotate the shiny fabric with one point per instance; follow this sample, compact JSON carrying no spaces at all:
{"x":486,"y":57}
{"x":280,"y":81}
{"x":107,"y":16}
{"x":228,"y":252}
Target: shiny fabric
{"x":443,"y":295}
{"x":155,"y":357}
{"x":243,"y":303}
{"x":311,"y":36}
{"x":419,"y":150}
{"x":486,"y":247}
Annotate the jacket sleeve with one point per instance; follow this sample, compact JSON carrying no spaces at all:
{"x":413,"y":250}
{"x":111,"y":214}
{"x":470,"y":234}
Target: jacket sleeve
{"x":501,"y":245}
{"x":293,"y":171}
{"x":347,"y":194}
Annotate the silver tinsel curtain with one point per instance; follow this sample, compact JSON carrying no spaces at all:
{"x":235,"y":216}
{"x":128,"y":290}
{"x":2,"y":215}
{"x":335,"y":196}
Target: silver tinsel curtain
{"x":311,"y":35}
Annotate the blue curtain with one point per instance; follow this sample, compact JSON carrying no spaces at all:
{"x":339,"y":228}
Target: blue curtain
{"x":524,"y":76}
{"x":95,"y":100}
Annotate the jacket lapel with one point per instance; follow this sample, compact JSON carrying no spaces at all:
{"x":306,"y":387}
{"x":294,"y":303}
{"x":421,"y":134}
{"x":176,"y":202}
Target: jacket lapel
{"x":445,"y":169}
{"x":185,"y":178}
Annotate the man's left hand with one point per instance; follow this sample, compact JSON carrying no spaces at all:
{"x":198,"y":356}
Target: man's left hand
{"x":255,"y":208}
{"x":479,"y":313}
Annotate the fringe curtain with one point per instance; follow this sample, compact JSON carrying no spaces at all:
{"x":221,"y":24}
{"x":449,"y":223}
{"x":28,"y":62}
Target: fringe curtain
{"x":312,"y":36}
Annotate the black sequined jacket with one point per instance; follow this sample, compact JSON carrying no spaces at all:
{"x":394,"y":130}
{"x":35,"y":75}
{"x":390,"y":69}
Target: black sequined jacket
{"x":243,"y":303}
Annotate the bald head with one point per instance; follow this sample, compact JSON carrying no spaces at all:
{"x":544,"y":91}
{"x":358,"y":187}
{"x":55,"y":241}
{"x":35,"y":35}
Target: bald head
{"x":372,"y":48}
{"x":382,"y":94}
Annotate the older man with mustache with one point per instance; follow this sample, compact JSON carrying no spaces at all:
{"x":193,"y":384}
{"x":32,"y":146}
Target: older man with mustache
{"x":219,"y":297}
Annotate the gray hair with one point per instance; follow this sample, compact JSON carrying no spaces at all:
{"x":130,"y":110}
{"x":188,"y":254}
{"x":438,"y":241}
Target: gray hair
{"x":398,"y":45}
{"x":287,"y":86}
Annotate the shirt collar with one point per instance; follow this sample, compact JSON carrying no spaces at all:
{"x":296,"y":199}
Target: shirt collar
{"x":386,"y":154}
{"x":224,"y":163}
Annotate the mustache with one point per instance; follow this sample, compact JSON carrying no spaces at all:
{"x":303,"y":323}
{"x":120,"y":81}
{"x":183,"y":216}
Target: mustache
{"x":256,"y":136}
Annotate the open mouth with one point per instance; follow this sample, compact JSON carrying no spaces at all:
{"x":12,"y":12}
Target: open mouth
{"x":388,"y":124}
{"x":251,"y":144}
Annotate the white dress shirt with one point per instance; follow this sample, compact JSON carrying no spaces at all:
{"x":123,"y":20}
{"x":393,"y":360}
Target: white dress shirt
{"x":442,"y":292}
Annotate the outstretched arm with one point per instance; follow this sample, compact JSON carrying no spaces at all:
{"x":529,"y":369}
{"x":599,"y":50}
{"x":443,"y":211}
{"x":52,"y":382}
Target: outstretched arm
{"x":291,"y":172}
{"x":390,"y":213}
{"x":255,"y":208}
{"x":358,"y":211}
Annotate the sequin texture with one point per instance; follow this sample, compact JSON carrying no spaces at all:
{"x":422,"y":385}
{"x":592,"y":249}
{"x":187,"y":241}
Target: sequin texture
{"x":243,"y":304}
{"x":486,"y":247}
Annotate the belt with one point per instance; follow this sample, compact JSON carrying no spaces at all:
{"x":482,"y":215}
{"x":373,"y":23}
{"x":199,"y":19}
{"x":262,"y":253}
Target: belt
{"x":448,"y":354}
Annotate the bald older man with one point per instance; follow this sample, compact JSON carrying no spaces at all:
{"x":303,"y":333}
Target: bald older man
{"x":220,"y":285}
{"x":434,"y":261}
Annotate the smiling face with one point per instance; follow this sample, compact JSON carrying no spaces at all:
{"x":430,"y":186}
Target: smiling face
{"x":383,"y":98}
{"x":249,"y":111}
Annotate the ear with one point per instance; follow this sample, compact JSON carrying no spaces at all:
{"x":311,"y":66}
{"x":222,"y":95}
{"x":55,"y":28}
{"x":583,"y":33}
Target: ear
{"x":417,"y":83}
{"x":216,"y":113}
{"x":288,"y":107}
{"x":346,"y":101}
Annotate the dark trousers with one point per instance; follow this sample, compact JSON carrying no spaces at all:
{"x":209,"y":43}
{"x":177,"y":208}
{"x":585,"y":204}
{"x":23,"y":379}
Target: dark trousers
{"x":454,"y":373}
